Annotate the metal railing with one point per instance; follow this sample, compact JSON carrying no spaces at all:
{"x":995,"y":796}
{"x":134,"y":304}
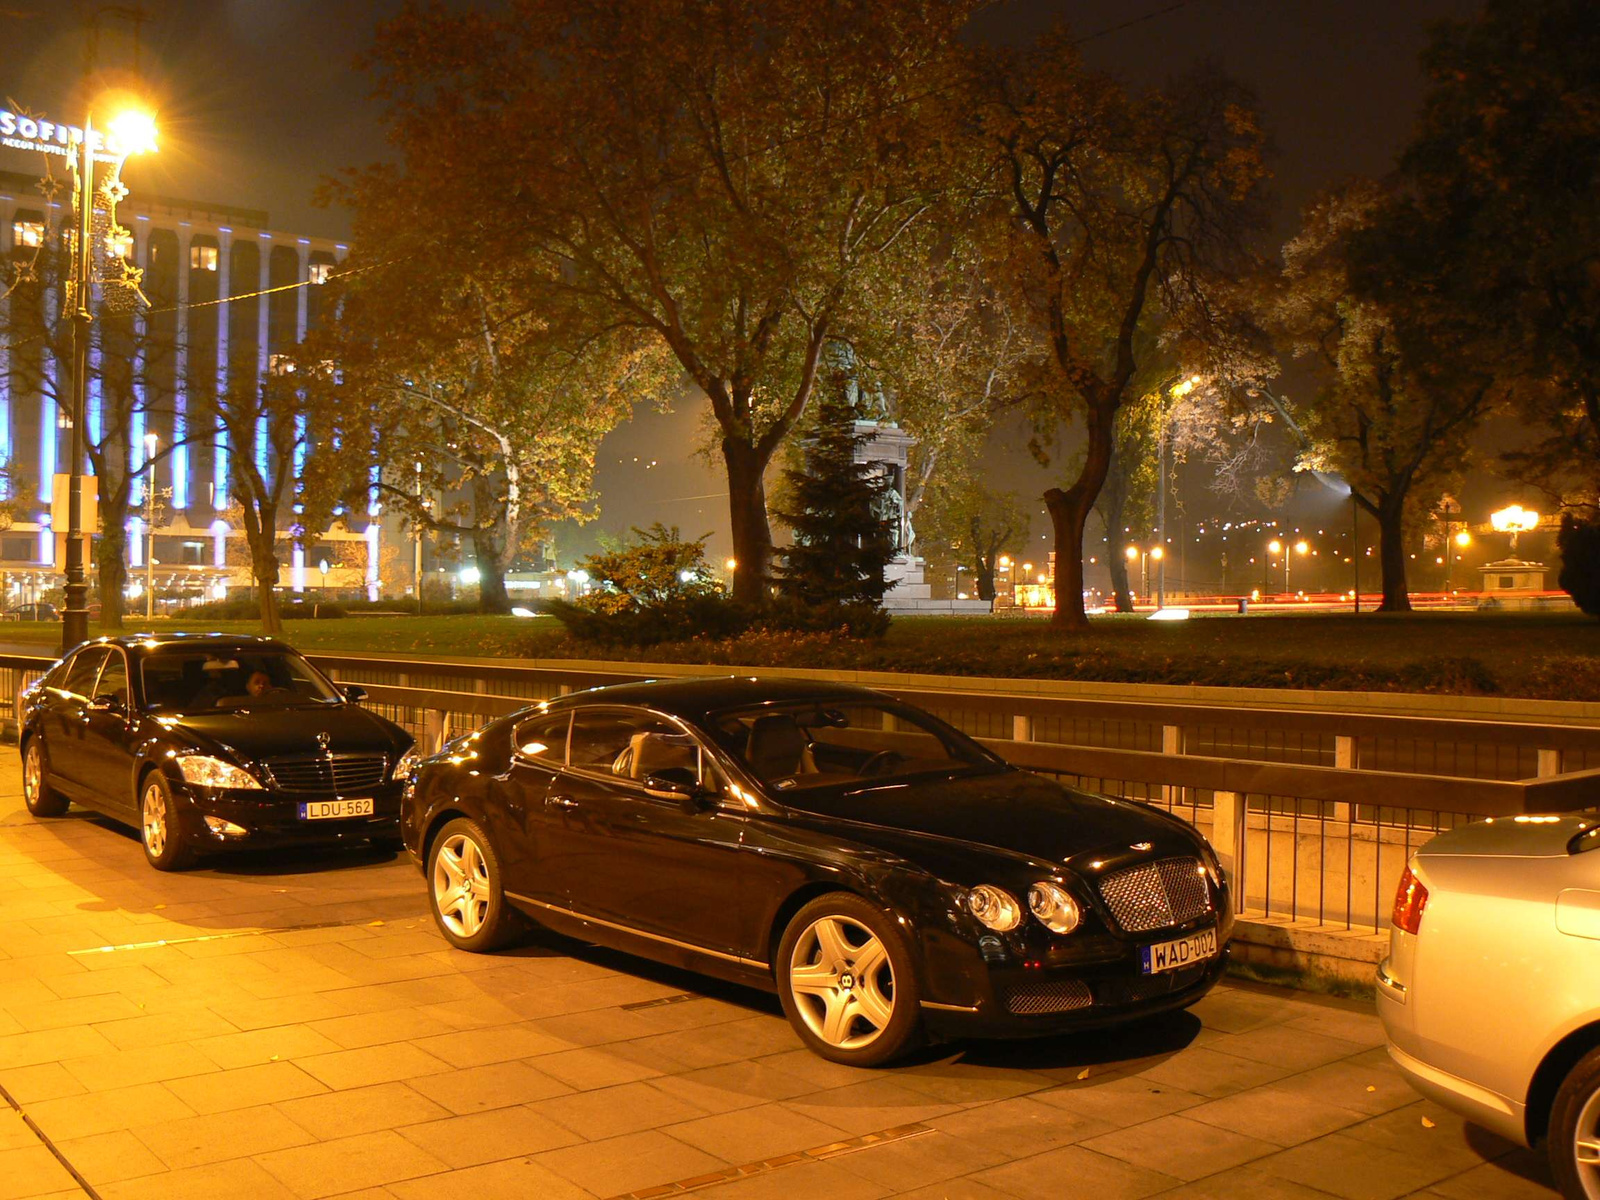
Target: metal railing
{"x":1314,"y":813}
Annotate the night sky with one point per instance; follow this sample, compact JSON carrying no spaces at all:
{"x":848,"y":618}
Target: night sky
{"x":259,"y":99}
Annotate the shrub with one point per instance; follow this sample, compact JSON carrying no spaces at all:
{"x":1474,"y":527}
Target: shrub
{"x":1579,"y":543}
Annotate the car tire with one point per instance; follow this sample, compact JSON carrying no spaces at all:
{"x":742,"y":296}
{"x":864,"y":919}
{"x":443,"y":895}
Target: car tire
{"x":1575,"y":1124}
{"x":42,"y":799}
{"x":847,"y":982}
{"x":160,"y":829}
{"x":466,"y":889}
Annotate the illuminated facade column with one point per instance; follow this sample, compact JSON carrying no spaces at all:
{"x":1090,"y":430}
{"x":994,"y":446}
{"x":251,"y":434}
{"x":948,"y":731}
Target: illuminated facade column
{"x":263,"y":335}
{"x":302,"y":299}
{"x":219,"y":456}
{"x":180,"y":392}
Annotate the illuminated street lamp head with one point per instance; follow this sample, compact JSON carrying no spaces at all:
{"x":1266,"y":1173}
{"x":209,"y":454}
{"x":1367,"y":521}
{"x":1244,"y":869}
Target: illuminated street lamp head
{"x":133,"y":131}
{"x":1275,"y":546}
{"x":1302,"y":547}
{"x":1157,"y":553}
{"x":1463,"y":539}
{"x":1133,"y":553}
{"x":1515,"y":519}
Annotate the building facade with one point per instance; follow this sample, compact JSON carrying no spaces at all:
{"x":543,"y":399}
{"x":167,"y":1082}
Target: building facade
{"x":228,"y":295}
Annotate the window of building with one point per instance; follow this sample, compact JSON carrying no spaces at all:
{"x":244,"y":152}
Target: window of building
{"x":280,"y":364}
{"x":194,"y":553}
{"x":203,"y":258}
{"x":321,"y":272}
{"x":25,"y":232}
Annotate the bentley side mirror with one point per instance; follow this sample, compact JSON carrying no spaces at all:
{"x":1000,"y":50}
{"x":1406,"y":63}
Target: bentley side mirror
{"x":676,"y":783}
{"x":354,"y":693}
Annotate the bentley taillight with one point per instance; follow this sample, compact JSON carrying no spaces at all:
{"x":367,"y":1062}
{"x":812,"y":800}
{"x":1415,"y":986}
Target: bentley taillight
{"x":1410,"y":898}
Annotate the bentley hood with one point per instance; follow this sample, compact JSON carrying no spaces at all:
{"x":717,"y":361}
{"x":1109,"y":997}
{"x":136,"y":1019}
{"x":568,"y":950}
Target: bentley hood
{"x":1018,"y":815}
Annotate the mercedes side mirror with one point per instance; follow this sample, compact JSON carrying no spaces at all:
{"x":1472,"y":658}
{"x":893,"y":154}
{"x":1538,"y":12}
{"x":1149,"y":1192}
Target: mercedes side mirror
{"x":354,"y":693}
{"x":107,"y":703}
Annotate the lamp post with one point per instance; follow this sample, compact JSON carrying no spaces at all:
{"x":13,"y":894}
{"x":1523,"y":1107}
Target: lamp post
{"x":1273,"y":547}
{"x":1301,"y":547}
{"x":1176,"y":392}
{"x":132,"y":133}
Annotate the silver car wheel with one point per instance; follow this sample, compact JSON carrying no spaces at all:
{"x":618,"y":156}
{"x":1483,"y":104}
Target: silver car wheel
{"x":153,"y":812}
{"x":842,"y":982}
{"x":461,"y":885}
{"x":32,"y":773}
{"x":1586,"y":1146}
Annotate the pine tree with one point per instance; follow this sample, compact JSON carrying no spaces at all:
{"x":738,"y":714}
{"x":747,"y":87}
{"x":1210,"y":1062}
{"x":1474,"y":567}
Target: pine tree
{"x":841,"y":541}
{"x":1579,"y":543}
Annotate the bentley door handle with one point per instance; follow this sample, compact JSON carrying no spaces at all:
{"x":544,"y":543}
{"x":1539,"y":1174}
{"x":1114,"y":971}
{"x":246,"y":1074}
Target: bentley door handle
{"x":563,"y":802}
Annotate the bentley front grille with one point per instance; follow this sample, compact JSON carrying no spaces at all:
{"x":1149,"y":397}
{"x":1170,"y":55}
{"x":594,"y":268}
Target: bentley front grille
{"x":1035,"y":998}
{"x":1157,"y":895}
{"x":327,"y":773}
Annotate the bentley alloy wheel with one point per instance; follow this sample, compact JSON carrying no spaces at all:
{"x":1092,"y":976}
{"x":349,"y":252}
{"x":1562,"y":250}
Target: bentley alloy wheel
{"x":846,"y":981}
{"x":42,"y":799}
{"x":469,"y":903}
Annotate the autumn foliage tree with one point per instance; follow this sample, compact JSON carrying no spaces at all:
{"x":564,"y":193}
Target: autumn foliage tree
{"x":720,"y":177}
{"x":1118,"y":210}
{"x":1404,"y":381}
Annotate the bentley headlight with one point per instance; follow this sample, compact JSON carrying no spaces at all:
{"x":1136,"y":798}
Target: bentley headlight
{"x":1057,"y":911}
{"x":204,"y":771}
{"x":994,"y":907}
{"x":1213,"y":866}
{"x":405,"y":766}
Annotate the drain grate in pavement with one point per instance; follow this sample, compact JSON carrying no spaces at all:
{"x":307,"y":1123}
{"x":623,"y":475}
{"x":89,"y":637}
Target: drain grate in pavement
{"x":232,"y":933}
{"x":865,"y":1141}
{"x":659,"y":1002}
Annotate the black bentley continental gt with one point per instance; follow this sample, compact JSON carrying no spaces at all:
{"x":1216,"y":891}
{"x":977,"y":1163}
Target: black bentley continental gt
{"x":883,"y":873}
{"x":210,"y":742}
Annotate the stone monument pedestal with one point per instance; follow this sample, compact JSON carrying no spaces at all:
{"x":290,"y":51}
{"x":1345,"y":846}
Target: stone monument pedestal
{"x":909,"y":593}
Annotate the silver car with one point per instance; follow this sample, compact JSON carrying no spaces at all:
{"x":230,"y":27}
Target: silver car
{"x":1490,"y":995}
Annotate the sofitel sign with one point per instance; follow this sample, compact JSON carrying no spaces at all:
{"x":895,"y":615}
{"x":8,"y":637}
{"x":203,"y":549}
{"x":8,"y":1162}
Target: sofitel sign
{"x":19,"y":131}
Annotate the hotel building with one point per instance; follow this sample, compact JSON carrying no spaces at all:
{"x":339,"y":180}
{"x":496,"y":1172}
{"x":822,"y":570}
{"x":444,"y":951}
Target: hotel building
{"x":196,"y":258}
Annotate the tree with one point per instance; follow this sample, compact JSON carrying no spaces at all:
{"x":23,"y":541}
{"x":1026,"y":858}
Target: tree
{"x":841,"y":540}
{"x":719,"y":176}
{"x":491,"y":420}
{"x":1403,"y":386}
{"x":1505,"y":162}
{"x":953,"y":357}
{"x":1120,"y":209}
{"x":285,"y":420}
{"x":973,"y":526}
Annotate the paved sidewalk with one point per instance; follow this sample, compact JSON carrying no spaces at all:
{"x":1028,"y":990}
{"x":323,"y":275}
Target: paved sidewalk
{"x":293,"y":1027}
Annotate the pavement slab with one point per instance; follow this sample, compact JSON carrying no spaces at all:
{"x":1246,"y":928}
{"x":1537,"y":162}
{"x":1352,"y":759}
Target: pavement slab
{"x":291,"y":1027}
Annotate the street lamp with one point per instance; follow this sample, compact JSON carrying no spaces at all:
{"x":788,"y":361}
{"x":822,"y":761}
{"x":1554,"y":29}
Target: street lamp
{"x":1451,"y":544}
{"x":131,"y":133}
{"x":1273,"y":547}
{"x":1514,"y":520}
{"x":1300,"y":547}
{"x":1176,"y":391}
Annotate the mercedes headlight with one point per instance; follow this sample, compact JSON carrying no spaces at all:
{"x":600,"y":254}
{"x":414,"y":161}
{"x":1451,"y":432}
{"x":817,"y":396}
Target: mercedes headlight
{"x":204,"y":771}
{"x":405,"y":766}
{"x":1056,"y":910}
{"x":994,"y":907}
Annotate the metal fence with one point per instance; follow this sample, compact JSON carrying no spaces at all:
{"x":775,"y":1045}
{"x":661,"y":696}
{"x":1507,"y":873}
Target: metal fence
{"x":1314,"y":813}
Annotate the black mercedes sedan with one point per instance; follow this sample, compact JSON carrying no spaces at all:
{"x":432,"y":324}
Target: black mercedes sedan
{"x":210,"y":742}
{"x":886,"y":875}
